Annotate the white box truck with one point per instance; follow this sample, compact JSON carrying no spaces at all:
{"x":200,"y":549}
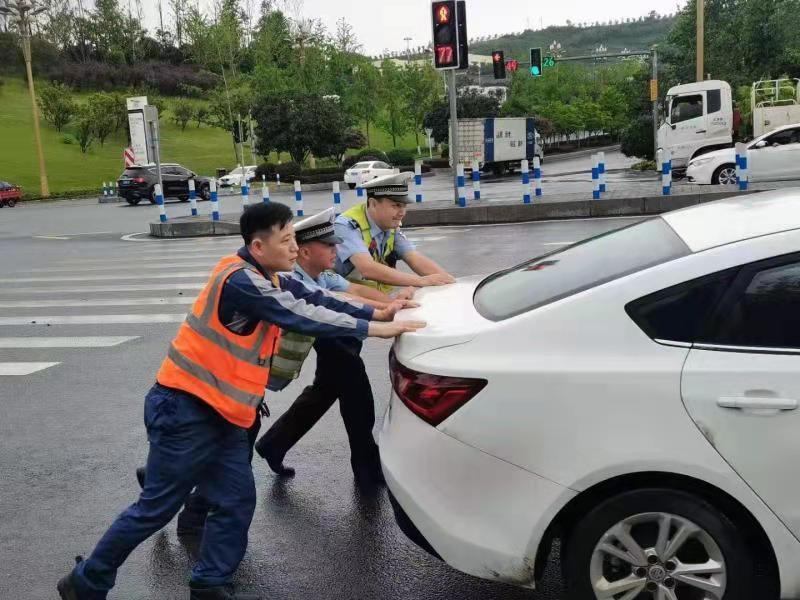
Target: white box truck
{"x":498,"y":144}
{"x":699,"y":116}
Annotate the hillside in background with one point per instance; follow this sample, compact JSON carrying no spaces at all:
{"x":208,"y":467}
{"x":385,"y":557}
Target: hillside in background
{"x":579,"y":40}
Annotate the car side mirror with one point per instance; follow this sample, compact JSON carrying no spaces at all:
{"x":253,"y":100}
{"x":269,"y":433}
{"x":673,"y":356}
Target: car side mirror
{"x":761,"y":144}
{"x":673,"y":126}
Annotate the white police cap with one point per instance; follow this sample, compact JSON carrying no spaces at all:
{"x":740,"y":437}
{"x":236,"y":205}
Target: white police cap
{"x":394,"y":187}
{"x":318,"y":228}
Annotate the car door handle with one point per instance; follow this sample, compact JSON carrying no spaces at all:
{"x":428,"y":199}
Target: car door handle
{"x":699,"y":131}
{"x":750,"y":403}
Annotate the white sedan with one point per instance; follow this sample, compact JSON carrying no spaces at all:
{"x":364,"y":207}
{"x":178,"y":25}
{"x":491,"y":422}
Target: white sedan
{"x":634,"y":395}
{"x":774,"y":156}
{"x":238,"y":176}
{"x":363,"y":172}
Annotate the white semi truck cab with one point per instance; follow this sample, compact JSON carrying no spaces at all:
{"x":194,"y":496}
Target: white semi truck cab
{"x":699,"y":119}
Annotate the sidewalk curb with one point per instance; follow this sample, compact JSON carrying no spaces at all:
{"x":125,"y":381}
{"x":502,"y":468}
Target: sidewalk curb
{"x":486,"y":214}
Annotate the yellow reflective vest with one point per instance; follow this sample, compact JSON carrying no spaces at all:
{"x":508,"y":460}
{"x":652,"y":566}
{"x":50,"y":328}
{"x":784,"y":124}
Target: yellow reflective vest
{"x":358,"y":215}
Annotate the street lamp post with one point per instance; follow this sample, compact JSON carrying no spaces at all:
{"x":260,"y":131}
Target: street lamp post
{"x":408,"y":49}
{"x":701,"y":14}
{"x":21,"y":12}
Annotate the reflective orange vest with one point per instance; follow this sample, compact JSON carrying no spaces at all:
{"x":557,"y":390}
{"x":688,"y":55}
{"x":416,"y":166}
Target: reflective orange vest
{"x":224,"y":369}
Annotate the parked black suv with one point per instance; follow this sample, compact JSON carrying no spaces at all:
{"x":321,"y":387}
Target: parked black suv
{"x":138,"y":183}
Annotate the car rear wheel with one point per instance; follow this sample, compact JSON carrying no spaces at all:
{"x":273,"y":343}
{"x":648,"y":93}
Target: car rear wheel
{"x":133,"y":201}
{"x":205,"y":192}
{"x":11,"y":202}
{"x":724,"y":175}
{"x":152,"y":196}
{"x":352,"y":186}
{"x":661,"y":544}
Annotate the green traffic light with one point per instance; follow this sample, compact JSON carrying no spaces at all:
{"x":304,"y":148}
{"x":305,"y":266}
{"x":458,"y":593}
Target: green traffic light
{"x":535,"y":71}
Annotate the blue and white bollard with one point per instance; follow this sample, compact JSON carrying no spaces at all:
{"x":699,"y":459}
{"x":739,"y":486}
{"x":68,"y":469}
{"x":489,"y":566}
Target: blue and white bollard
{"x":462,"y":192}
{"x":298,"y":198}
{"x":245,"y":195}
{"x":418,"y":180}
{"x":193,"y":197}
{"x":595,"y":177}
{"x":739,"y":161}
{"x":744,"y":175}
{"x":359,"y":191}
{"x":162,"y":210}
{"x":537,"y":176}
{"x":105,"y":190}
{"x":264,"y":190}
{"x":214,"y":201}
{"x":476,"y":180}
{"x":666,"y":173}
{"x":526,"y":182}
{"x":337,"y":198}
{"x":601,"y":167}
{"x":278,"y":179}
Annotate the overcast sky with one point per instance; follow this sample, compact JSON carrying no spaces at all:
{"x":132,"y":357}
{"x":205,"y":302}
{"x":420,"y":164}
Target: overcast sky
{"x":382,"y":24}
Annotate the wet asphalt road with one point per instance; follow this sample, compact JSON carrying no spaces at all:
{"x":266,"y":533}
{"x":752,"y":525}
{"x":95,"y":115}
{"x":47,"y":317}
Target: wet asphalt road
{"x":72,"y":433}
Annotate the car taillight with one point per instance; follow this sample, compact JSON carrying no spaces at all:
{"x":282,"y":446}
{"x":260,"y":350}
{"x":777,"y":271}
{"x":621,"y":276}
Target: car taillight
{"x":139,"y":180}
{"x":433,"y":398}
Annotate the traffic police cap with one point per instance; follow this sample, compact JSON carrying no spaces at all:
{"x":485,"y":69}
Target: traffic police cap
{"x":318,"y":228}
{"x":394,"y":187}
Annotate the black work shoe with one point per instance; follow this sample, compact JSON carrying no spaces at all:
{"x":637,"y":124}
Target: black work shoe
{"x":66,"y":586}
{"x":222,"y":592}
{"x":140,"y":473}
{"x":191,"y":523}
{"x":368,"y":473}
{"x":274,"y":461}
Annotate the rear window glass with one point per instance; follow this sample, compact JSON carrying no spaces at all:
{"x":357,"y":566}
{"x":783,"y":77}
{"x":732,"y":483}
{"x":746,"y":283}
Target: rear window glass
{"x":577,"y":268}
{"x":364,"y":165}
{"x":133,"y":172}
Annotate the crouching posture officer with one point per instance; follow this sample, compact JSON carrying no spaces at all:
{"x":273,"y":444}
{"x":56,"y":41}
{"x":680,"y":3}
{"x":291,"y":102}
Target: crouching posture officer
{"x":339,"y":375}
{"x":206,"y":396}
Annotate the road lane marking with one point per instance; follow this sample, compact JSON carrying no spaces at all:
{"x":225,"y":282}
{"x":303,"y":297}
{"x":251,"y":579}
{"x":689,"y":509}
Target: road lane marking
{"x":93,"y":319}
{"x":558,"y":244}
{"x":65,"y":342}
{"x":180,"y":300}
{"x":104,"y":288}
{"x":84,"y":269}
{"x":147,"y":275}
{"x":49,"y":237}
{"x":24,"y":368}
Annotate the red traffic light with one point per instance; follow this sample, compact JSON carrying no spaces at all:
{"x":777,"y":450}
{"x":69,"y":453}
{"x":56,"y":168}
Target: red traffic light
{"x":443,"y":15}
{"x":512,"y":65}
{"x":497,"y":57}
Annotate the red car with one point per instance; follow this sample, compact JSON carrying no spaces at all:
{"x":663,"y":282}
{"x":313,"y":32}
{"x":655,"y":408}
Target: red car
{"x":9,"y":194}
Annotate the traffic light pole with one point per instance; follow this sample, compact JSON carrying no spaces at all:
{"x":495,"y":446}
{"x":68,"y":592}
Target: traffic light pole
{"x":454,"y":131}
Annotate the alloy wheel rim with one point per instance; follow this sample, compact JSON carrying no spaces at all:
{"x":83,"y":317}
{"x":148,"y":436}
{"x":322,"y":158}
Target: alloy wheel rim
{"x":727,"y":176}
{"x":660,"y":556}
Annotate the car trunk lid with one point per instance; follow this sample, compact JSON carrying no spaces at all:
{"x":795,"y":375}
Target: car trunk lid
{"x":451,"y":317}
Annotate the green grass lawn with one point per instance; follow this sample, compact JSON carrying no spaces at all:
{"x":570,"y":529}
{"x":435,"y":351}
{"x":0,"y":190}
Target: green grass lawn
{"x":202,"y":150}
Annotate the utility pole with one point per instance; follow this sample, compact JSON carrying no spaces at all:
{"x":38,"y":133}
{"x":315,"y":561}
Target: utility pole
{"x":454,"y":130}
{"x":408,"y":49}
{"x":21,"y":12}
{"x":701,"y":18}
{"x":654,"y":98}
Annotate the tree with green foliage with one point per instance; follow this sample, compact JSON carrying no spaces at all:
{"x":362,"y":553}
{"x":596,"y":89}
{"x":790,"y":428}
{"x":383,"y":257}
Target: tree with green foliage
{"x":182,"y":112}
{"x":102,"y":108}
{"x":364,"y":101}
{"x":299,"y":124}
{"x":471,"y":105}
{"x":56,"y":104}
{"x":393,"y":118}
{"x":421,"y":91}
{"x":201,"y":115}
{"x":84,"y":128}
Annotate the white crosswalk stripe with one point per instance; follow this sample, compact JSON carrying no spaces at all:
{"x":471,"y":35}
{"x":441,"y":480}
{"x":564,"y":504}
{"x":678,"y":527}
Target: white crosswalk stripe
{"x":65,"y":342}
{"x":93,"y":319}
{"x":24,"y":368}
{"x":78,"y":297}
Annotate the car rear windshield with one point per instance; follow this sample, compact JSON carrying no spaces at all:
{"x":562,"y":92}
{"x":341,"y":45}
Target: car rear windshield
{"x":133,"y":172}
{"x":364,"y":165}
{"x":576,"y":268}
